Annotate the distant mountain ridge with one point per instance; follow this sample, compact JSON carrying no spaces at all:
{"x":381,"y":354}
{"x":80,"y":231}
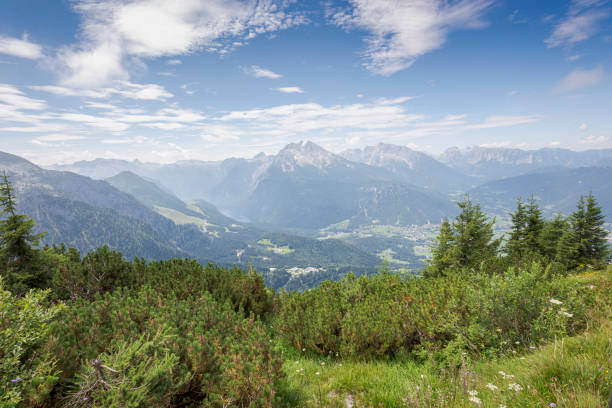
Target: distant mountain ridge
{"x":303,"y":186}
{"x":489,"y":163}
{"x":411,"y":167}
{"x":555,"y":190}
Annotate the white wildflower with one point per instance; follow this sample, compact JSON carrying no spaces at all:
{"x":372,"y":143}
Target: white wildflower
{"x":515,"y":387}
{"x":555,"y":301}
{"x":422,"y":376}
{"x":317,"y":373}
{"x":473,"y":393}
{"x":501,"y":406}
{"x":475,"y":400}
{"x":492,"y":387}
{"x":566,"y":314}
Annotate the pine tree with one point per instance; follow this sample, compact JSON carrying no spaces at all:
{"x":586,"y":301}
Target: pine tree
{"x":19,"y":260}
{"x":442,"y":251}
{"x":515,"y":245}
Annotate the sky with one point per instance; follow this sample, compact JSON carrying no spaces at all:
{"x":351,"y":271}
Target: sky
{"x":165,"y":80}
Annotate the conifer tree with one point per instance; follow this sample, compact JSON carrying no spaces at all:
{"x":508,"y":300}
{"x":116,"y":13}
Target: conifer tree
{"x":596,"y":249}
{"x":473,"y":235}
{"x":466,"y":242}
{"x":585,"y":240}
{"x":552,"y":231}
{"x":442,"y":251}
{"x":19,"y":260}
{"x":533,"y":228}
{"x":515,"y":244}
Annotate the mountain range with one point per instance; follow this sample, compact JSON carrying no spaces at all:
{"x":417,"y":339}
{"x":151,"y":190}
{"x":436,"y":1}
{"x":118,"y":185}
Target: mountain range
{"x":273,"y":211}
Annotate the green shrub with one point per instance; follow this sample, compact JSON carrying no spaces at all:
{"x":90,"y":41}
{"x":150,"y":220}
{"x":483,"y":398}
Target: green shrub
{"x":26,"y":375}
{"x":222,"y":356}
{"x":387,"y":315}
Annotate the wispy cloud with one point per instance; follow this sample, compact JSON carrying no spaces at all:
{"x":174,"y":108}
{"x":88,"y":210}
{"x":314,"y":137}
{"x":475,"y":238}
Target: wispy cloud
{"x":121,"y":88}
{"x":400,"y":32}
{"x":15,"y":98}
{"x":581,"y":78}
{"x":581,"y":22}
{"x":21,"y":48}
{"x":116,"y":31}
{"x":289,"y":89}
{"x":259,"y":72}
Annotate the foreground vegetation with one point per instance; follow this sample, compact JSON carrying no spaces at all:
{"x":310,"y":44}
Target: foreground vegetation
{"x":526,"y":328}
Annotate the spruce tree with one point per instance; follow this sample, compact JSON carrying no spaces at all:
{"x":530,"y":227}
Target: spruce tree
{"x":515,"y":245}
{"x":584,"y":242}
{"x":442,"y":252}
{"x":596,"y":248}
{"x":533,"y":228}
{"x":19,"y":260}
{"x":552,"y":231}
{"x":473,"y":235}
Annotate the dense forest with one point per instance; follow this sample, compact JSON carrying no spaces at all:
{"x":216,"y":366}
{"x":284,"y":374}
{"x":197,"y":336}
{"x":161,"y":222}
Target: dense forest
{"x":100,"y":330}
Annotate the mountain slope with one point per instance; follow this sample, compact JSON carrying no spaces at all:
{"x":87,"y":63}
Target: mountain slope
{"x":411,"y":167}
{"x":556,"y":191}
{"x":86,"y":214}
{"x":308,"y":187}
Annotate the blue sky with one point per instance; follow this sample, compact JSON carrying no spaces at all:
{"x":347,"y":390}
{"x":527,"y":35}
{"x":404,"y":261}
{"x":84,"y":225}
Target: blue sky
{"x":162,"y":81}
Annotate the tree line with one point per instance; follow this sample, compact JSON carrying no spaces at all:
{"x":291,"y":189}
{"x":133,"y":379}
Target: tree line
{"x":579,"y":240}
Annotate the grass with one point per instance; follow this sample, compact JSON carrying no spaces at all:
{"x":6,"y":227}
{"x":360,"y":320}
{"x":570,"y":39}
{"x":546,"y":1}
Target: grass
{"x":572,"y":373}
{"x":569,"y":372}
{"x":181,"y":219}
{"x":270,"y":246}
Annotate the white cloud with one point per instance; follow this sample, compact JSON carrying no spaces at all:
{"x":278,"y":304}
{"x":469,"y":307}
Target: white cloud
{"x":402,"y":31}
{"x":289,"y":89}
{"x":59,"y":138}
{"x":581,"y":22}
{"x":594,"y":141}
{"x":259,"y":72}
{"x":583,"y":126}
{"x":581,"y":78}
{"x":122,"y":30}
{"x":123,"y":88}
{"x":13,"y":97}
{"x":50,"y":140}
{"x":21,"y":48}
{"x":174,"y":62}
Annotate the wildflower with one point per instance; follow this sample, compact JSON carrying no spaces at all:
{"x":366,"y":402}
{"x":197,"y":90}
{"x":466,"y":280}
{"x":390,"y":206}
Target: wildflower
{"x":322,"y":363}
{"x":340,"y":364}
{"x":304,"y":349}
{"x":566,"y":314}
{"x":492,"y":387}
{"x":501,"y":406}
{"x":317,"y":373}
{"x":515,"y":387}
{"x":85,"y":398}
{"x":552,"y":405}
{"x":555,"y":301}
{"x":14,"y":380}
{"x":475,"y":400}
{"x":532,"y":347}
{"x":517,"y":342}
{"x":422,"y":376}
{"x":499,"y":330}
{"x":473,"y":393}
